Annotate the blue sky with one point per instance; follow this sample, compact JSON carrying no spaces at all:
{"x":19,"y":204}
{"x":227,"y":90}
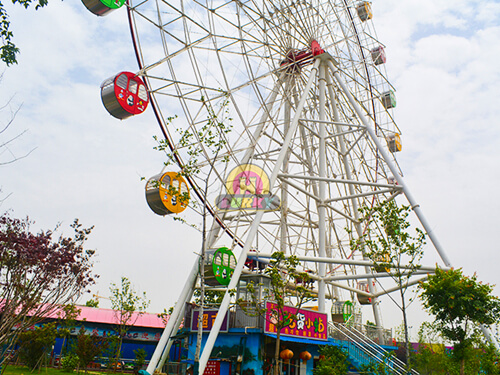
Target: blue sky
{"x":442,"y":58}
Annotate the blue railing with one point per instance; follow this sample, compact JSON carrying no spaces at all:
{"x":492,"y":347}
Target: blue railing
{"x":363,"y":351}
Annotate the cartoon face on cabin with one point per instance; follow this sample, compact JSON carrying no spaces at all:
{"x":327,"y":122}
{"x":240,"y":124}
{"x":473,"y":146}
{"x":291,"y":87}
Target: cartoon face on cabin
{"x":224,"y":273}
{"x":130,"y":100}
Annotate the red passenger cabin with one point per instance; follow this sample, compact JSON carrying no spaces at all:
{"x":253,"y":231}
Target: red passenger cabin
{"x":124,"y":95}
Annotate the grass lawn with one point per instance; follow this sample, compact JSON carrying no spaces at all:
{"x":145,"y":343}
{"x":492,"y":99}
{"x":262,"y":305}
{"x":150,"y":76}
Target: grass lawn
{"x":23,"y":370}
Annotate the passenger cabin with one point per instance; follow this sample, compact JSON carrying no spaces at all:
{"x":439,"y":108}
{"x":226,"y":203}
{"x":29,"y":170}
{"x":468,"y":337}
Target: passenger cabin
{"x":219,"y":266}
{"x":167,"y":193}
{"x":102,"y":7}
{"x":124,"y":95}
{"x":378,"y":55}
{"x":394,"y":143}
{"x":388,"y":99}
{"x":362,"y":298}
{"x":364,"y":10}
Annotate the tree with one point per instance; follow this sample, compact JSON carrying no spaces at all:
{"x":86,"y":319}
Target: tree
{"x":332,"y":361}
{"x":430,"y":357}
{"x":88,"y":347}
{"x":284,"y":291}
{"x":459,"y":304}
{"x":128,"y":306}
{"x":38,"y":274}
{"x":8,"y":50}
{"x":210,"y":297}
{"x":67,"y":321}
{"x":5,"y":123}
{"x":92,"y":303}
{"x":375,"y":368}
{"x":70,"y":362}
{"x":389,"y":243}
{"x":212,"y":137}
{"x":4,"y":127}
{"x":489,"y":359}
{"x":165,"y":315}
{"x":36,"y":344}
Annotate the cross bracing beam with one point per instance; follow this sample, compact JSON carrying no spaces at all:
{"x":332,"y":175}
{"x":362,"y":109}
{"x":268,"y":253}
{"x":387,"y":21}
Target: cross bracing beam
{"x":368,"y":263}
{"x":337,"y":180}
{"x":403,"y":286}
{"x":377,"y":275}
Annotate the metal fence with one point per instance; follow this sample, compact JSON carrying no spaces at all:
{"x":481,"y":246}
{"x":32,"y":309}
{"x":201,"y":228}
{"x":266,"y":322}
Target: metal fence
{"x":174,"y":368}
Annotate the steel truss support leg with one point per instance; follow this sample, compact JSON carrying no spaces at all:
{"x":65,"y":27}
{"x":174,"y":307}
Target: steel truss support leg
{"x":161,"y":352}
{"x":284,"y":242}
{"x":414,"y":205}
{"x":354,"y":204}
{"x":322,"y":186}
{"x":162,"y":349}
{"x":254,"y":227}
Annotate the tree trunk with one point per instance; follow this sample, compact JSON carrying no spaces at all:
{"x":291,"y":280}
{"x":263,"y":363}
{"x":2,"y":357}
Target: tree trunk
{"x":196,"y":369}
{"x":405,"y":322}
{"x":60,"y":353}
{"x":462,"y":366}
{"x":277,"y":353}
{"x":117,"y":357}
{"x":201,"y":270}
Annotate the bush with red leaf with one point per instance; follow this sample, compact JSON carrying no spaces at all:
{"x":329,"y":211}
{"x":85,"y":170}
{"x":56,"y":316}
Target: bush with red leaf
{"x":39,"y":273}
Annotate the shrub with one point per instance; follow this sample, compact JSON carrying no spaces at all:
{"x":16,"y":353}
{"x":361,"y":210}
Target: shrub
{"x":333,"y":361}
{"x":35,"y":345}
{"x":88,"y":347}
{"x":70,"y":362}
{"x":140,"y":359}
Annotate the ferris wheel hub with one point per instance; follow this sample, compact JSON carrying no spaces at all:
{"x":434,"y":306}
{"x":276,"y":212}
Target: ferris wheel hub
{"x":296,"y":59}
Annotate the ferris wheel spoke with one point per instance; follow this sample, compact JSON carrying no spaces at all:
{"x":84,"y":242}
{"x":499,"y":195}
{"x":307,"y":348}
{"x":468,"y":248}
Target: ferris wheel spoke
{"x":170,"y":56}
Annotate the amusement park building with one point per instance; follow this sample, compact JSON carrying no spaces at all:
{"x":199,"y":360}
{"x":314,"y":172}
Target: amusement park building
{"x":246,"y":342}
{"x":144,"y":333}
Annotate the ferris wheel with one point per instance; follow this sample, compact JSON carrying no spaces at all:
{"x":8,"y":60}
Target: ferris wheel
{"x":295,"y":92}
{"x":301,"y":86}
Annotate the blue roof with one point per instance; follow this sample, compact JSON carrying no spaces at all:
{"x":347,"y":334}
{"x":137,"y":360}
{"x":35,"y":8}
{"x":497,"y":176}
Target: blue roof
{"x":304,"y":341}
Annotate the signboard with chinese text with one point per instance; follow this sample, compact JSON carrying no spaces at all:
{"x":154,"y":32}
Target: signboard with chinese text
{"x":130,"y":335}
{"x":208,"y":320}
{"x":212,"y":368}
{"x":308,"y":325}
{"x":217,"y":368}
